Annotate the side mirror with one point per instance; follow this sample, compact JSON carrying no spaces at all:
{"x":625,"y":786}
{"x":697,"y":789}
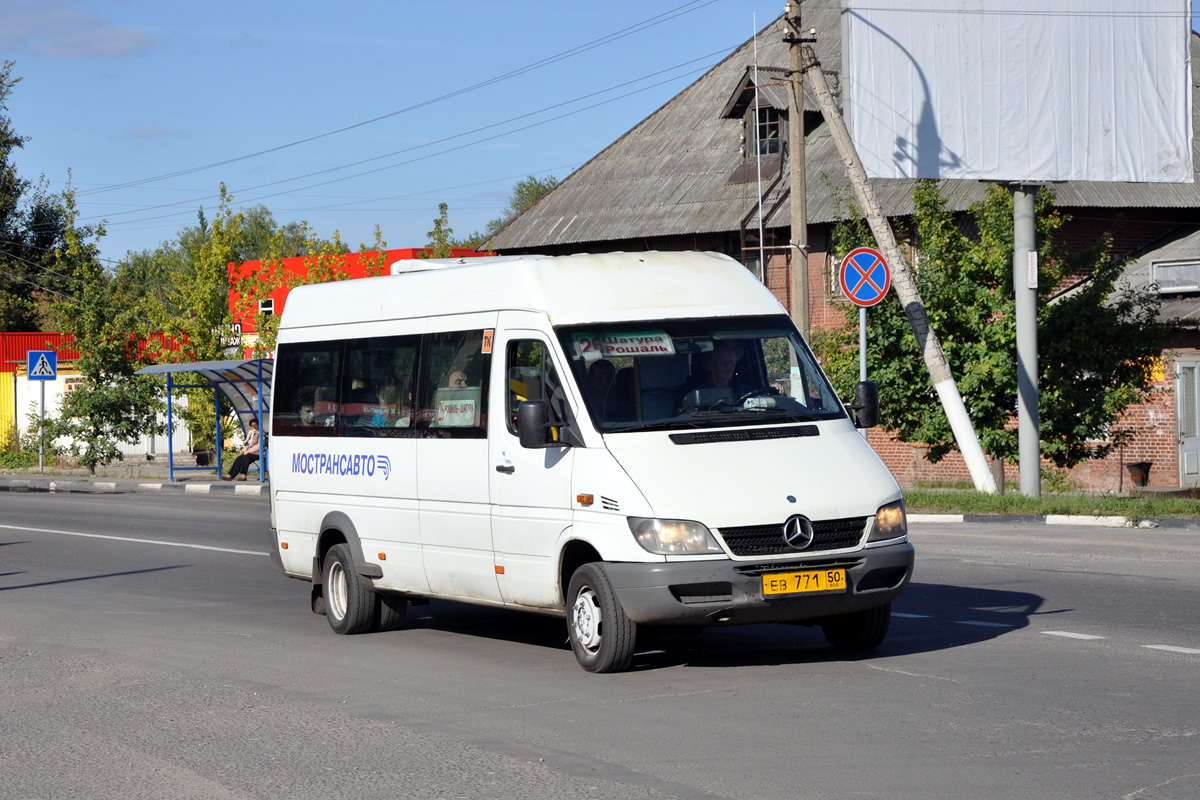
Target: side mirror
{"x":866,"y":404}
{"x":531,"y":423}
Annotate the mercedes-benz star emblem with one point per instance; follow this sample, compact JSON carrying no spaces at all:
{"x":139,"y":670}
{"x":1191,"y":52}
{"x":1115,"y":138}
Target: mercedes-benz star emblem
{"x":798,"y":532}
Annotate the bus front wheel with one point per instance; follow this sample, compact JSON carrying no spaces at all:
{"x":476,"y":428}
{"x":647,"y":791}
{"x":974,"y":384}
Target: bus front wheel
{"x":602,"y":636}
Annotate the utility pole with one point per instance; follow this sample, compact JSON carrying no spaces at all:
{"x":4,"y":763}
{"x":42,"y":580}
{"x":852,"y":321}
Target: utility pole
{"x":1025,"y":286}
{"x":906,"y":288}
{"x":799,"y":203}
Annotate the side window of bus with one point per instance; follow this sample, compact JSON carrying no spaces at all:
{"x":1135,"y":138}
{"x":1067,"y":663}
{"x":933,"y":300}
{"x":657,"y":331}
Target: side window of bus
{"x":451,"y":396}
{"x":531,"y":376}
{"x":377,"y":385}
{"x":305,"y":389}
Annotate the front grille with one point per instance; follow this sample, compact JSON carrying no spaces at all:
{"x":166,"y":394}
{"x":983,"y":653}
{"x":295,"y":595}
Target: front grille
{"x":767,"y":540}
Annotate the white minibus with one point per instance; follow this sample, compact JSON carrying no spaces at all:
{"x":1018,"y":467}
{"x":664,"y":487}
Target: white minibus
{"x":631,"y":441}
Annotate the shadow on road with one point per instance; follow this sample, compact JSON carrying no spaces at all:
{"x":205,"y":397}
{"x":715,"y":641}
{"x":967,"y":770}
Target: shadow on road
{"x":90,"y":577}
{"x":927,"y":618}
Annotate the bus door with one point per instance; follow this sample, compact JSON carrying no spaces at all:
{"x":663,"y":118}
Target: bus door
{"x":531,"y":489}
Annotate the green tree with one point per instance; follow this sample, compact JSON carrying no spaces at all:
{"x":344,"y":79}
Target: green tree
{"x":112,"y":404}
{"x":440,"y":242}
{"x":32,"y":226}
{"x":1098,"y":343}
{"x":525,"y":193}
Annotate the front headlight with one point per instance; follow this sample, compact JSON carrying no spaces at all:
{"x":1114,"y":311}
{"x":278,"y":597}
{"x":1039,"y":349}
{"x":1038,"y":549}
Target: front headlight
{"x":672,"y":536}
{"x":890,"y":523}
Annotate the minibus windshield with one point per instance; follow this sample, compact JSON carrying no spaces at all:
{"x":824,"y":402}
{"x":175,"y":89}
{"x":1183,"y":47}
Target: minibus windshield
{"x":689,"y":373}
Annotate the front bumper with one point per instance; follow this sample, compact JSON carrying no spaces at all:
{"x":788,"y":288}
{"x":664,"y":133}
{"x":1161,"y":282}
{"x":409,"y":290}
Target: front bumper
{"x":730,"y":592}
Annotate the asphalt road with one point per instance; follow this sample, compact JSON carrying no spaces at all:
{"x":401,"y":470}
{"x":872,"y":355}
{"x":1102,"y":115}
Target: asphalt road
{"x":149,"y":650}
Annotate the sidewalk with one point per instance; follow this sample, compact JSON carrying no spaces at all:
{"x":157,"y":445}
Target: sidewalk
{"x":123,"y":478}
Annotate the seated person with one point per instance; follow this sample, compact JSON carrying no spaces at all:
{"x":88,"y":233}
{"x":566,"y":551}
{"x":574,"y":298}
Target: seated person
{"x":456,"y":379}
{"x":621,"y":403}
{"x":382,"y":412}
{"x":599,"y":378}
{"x":717,"y":377}
{"x":306,"y":406}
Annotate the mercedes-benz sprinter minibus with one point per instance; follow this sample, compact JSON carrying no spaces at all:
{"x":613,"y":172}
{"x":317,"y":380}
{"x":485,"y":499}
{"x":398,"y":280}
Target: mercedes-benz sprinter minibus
{"x":630,"y":441}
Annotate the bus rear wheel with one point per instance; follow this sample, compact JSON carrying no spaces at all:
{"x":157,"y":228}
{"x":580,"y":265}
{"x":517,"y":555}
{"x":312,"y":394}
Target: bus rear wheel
{"x":348,"y":605}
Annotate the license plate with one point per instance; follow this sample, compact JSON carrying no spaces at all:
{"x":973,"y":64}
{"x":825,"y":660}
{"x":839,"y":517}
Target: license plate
{"x":825,"y":580}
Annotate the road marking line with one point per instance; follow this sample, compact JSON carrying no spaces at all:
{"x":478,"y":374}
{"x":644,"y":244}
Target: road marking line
{"x":909,"y":616}
{"x":1070,"y":635}
{"x":131,"y":539}
{"x":981,"y":624}
{"x":1172,"y":649}
{"x":1073,"y":519}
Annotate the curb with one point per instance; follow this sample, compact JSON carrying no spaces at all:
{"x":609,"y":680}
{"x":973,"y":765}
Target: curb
{"x":1054,"y":519}
{"x":133,"y":486}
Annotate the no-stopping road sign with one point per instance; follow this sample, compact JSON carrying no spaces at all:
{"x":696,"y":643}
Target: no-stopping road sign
{"x":864,"y":277}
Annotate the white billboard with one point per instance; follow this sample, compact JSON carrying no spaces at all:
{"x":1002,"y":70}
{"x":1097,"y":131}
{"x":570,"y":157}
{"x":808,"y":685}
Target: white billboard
{"x":1021,"y":90}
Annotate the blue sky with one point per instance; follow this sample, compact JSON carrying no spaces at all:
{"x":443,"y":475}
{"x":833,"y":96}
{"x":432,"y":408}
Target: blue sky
{"x":147,"y":91}
{"x":135,"y":90}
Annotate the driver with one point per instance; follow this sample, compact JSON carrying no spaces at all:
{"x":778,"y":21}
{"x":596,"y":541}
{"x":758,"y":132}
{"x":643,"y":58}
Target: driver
{"x":721,"y":365}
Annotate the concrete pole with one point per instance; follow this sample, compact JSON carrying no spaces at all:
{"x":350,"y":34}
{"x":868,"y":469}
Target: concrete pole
{"x":1025,"y":287}
{"x":906,"y":288}
{"x":801,"y":313}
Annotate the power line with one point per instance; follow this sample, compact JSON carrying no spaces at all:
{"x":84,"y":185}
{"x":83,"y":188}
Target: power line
{"x":646,"y":24}
{"x":416,"y":147}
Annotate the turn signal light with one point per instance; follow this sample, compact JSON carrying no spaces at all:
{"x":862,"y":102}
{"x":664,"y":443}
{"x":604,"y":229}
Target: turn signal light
{"x":283,"y":545}
{"x":584,"y":499}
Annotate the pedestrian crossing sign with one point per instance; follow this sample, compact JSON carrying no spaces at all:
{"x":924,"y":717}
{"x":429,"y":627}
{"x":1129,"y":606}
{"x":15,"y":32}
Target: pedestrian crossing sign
{"x":41,"y":365}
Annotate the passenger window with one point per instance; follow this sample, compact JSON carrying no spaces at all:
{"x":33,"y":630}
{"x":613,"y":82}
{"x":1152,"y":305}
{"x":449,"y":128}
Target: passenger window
{"x":305,"y":389}
{"x":531,"y":376}
{"x":377,"y":386}
{"x":452,"y":396}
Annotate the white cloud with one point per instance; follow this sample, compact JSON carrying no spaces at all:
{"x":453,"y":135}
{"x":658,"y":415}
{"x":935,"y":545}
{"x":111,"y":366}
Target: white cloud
{"x":149,"y":131}
{"x":58,"y":29}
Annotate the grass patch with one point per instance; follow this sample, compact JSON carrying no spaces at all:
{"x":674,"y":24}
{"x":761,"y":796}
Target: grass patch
{"x":1137,"y":507}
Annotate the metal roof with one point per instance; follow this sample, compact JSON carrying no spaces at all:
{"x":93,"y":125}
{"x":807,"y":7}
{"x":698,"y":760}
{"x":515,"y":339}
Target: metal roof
{"x":669,"y":175}
{"x":239,"y":381}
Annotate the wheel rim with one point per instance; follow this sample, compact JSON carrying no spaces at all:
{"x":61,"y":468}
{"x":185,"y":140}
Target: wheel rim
{"x":585,"y":617}
{"x":335,"y":590}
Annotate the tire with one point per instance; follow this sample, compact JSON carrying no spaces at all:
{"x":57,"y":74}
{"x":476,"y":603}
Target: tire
{"x":859,"y":632}
{"x":349,"y":607}
{"x":603,"y":638}
{"x":390,"y":612}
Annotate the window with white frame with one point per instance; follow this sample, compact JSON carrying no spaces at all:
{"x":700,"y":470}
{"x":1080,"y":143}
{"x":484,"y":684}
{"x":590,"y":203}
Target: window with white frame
{"x":1176,"y":276}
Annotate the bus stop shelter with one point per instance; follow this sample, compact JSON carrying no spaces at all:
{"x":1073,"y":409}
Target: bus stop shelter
{"x":245,"y":384}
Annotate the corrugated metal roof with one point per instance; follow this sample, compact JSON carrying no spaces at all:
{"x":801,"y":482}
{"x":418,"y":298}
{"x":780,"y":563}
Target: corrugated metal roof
{"x":14,"y":346}
{"x":669,"y":175}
